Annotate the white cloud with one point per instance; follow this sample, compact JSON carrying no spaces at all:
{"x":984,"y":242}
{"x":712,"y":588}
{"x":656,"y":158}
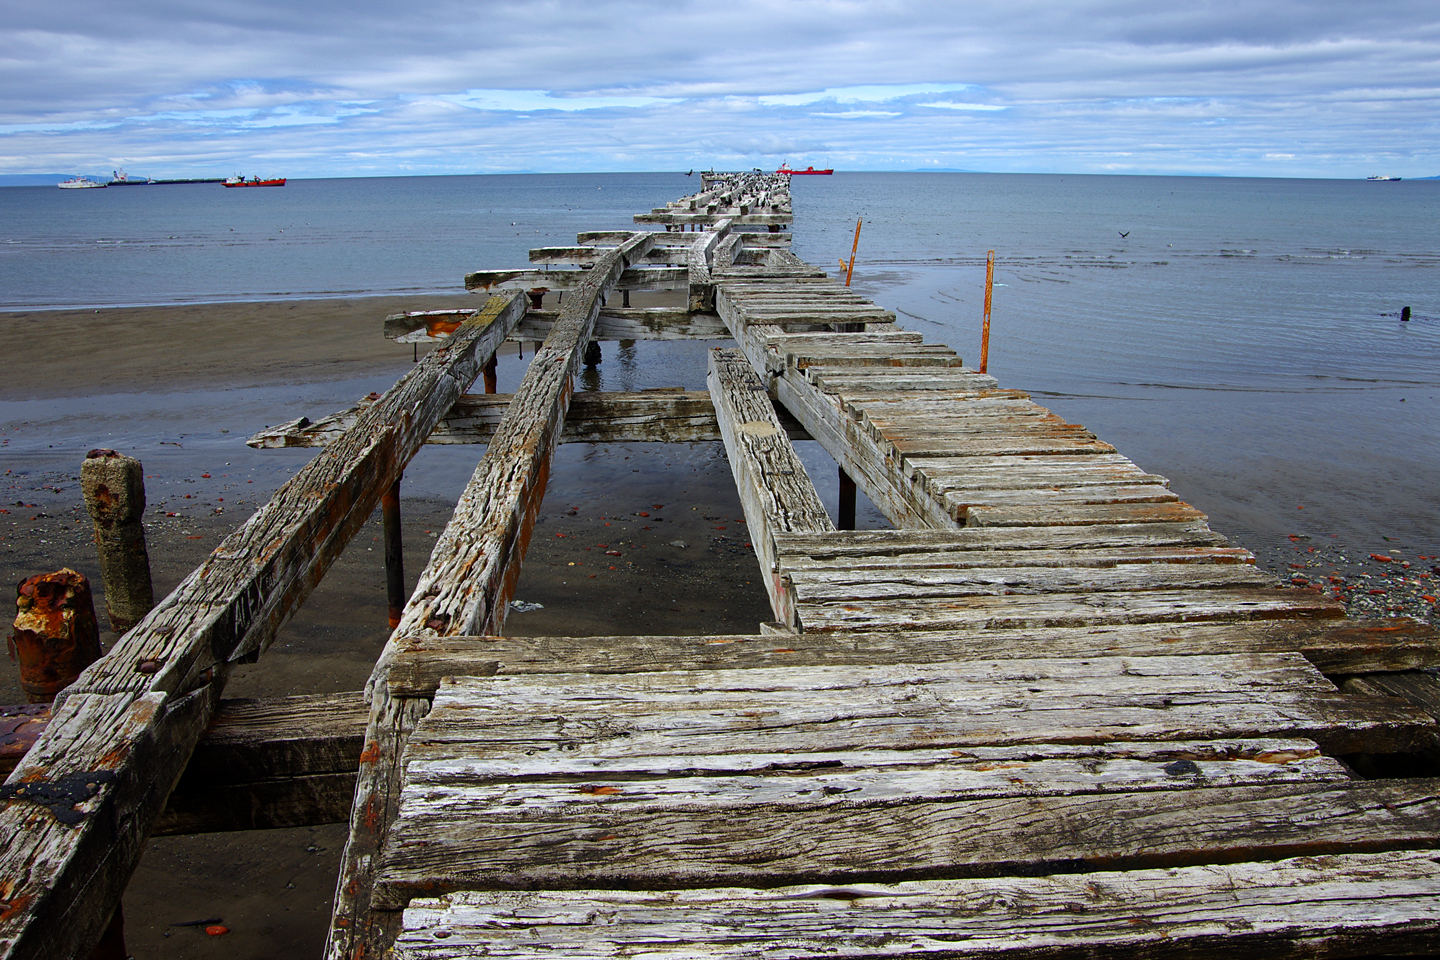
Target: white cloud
{"x":1289,"y":87}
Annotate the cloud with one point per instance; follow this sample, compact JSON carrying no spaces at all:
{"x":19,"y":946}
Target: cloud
{"x":1281,"y":87}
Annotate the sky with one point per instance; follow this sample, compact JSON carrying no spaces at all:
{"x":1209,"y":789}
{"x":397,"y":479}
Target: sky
{"x":322,"y":88}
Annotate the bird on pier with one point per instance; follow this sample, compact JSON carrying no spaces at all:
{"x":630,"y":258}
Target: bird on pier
{"x":1124,"y":234}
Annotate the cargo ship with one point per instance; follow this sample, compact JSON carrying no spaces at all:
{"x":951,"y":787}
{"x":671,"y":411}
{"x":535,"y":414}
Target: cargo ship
{"x":811,"y":171}
{"x":239,"y":181}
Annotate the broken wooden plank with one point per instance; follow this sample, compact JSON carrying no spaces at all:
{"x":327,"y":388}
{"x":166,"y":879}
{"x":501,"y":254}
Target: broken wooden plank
{"x":132,"y":719}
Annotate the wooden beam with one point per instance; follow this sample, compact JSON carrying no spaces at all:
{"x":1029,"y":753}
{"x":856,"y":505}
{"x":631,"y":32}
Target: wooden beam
{"x":774,"y":488}
{"x":466,"y":586}
{"x":664,"y":416}
{"x":701,"y":254}
{"x":122,"y":733}
{"x":614,"y":323}
{"x":634,"y":278}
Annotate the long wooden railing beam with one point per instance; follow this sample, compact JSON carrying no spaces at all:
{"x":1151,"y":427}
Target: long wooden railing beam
{"x":78,"y":808}
{"x":466,"y":587}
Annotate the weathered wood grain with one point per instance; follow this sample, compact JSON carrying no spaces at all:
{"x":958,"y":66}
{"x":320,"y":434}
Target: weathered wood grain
{"x":775,"y":490}
{"x":663,"y":416}
{"x":137,"y":713}
{"x":1301,"y":907}
{"x":614,"y":323}
{"x":466,"y":586}
{"x":1065,"y":610}
{"x":844,"y":843}
{"x":1333,"y":646}
{"x":633,"y":278}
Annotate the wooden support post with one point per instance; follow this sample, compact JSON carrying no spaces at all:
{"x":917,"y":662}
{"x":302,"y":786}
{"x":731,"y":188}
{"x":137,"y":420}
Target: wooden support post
{"x":985,"y":329}
{"x":845,"y":512}
{"x":114,"y":491}
{"x":491,"y":369}
{"x":55,"y":633}
{"x":394,"y":554}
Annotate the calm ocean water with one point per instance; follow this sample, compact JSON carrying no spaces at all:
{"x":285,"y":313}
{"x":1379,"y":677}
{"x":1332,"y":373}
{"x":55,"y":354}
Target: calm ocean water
{"x":1242,"y":337}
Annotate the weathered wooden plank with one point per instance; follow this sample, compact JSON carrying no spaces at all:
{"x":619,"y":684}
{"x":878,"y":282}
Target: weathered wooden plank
{"x":1303,"y":907}
{"x":1334,"y":646}
{"x":589,"y":254}
{"x":835,"y":585}
{"x":844,"y":843}
{"x":614,"y":323}
{"x":616,"y":730}
{"x":858,"y":381}
{"x":666,"y":416}
{"x":869,"y":543}
{"x":281,"y":762}
{"x":940,"y":705}
{"x":137,"y":713}
{"x":633,"y":278}
{"x":774,"y":488}
{"x":800,"y":561}
{"x":876,"y":471}
{"x":1075,"y":512}
{"x":466,"y":586}
{"x":1067,"y":610}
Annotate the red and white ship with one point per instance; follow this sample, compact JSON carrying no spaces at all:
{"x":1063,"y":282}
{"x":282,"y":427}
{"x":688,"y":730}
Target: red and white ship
{"x":808,"y":171}
{"x":239,"y":181}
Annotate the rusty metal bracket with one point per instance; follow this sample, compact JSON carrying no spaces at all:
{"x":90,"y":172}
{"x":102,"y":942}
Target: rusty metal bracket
{"x":61,"y":796}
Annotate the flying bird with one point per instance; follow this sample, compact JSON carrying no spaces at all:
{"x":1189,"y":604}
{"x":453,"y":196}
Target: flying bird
{"x":1124,"y":234}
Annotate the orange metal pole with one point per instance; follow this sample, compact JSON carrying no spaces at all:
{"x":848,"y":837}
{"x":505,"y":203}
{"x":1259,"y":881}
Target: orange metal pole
{"x":985,"y":330}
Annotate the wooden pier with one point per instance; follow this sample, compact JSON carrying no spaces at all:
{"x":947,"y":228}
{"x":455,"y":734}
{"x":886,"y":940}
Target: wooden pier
{"x":1049,"y":713}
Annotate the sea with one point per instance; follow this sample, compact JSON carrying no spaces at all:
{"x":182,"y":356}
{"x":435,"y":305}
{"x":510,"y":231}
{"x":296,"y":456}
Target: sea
{"x":1243,"y":337}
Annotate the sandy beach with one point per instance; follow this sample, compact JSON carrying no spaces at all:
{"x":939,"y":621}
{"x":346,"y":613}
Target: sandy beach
{"x":182,"y":387}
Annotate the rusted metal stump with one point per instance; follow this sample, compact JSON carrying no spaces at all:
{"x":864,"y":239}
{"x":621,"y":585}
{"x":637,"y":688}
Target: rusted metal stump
{"x":55,"y":634}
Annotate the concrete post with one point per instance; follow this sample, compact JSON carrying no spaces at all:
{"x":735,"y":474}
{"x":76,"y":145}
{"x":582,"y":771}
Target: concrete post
{"x":114,"y":489}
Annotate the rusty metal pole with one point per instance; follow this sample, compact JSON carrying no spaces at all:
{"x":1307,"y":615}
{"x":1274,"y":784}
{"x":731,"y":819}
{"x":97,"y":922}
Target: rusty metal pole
{"x":985,"y":329}
{"x":849,"y":265}
{"x":114,"y":489}
{"x":55,"y":633}
{"x":491,"y":368}
{"x":394,"y":555}
{"x":845,"y":514}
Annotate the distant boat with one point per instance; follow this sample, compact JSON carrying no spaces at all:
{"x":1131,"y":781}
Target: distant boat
{"x":80,"y":183}
{"x":811,"y":171}
{"x":1383,"y":178}
{"x":239,"y":181}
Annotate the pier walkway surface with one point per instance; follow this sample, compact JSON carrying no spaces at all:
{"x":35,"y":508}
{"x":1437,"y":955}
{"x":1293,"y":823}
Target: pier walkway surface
{"x":1048,"y":713}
